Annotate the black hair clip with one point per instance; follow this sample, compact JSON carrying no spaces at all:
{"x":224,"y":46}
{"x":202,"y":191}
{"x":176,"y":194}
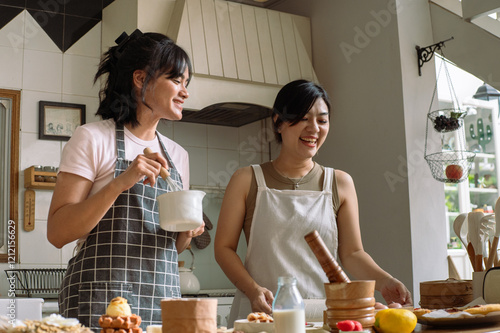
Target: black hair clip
{"x":123,"y":40}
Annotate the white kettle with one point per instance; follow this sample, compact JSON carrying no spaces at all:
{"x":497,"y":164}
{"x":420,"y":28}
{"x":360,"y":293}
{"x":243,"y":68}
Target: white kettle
{"x":188,"y":281}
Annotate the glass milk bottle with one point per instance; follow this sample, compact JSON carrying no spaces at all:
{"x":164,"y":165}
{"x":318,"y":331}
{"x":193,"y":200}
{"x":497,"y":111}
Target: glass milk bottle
{"x":288,"y":307}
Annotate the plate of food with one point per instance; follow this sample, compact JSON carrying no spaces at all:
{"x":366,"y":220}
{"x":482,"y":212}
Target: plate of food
{"x":255,"y":322}
{"x":258,"y":322}
{"x":469,"y":315}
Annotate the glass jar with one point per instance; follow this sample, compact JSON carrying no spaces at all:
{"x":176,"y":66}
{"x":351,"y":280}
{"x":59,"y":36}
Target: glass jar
{"x":49,"y":169}
{"x":49,"y":179}
{"x":38,"y":178}
{"x":288,"y":307}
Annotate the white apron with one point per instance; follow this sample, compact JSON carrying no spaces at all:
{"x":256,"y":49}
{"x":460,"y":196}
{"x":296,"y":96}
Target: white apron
{"x":276,"y":246}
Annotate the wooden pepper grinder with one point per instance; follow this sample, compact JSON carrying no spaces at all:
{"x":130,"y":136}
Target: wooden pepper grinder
{"x":332,"y":269}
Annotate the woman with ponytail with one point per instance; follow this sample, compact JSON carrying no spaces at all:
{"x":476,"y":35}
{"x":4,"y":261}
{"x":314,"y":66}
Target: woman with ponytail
{"x":106,"y":187}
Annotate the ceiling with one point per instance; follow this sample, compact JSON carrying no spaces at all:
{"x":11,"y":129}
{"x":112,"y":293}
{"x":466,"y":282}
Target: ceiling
{"x":259,"y":3}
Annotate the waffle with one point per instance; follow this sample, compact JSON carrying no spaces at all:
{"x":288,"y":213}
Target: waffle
{"x":120,"y":322}
{"x":118,"y":318}
{"x":121,"y":330}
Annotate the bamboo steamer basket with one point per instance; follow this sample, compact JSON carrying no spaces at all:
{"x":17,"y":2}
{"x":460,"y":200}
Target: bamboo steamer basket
{"x":445,"y":293}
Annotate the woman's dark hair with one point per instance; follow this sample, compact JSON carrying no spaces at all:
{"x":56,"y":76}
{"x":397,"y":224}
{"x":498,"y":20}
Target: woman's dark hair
{"x":154,"y":53}
{"x":294,"y":101}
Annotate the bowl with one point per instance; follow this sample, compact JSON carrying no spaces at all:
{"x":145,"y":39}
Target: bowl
{"x":359,"y":289}
{"x":181,"y":210}
{"x":350,"y":301}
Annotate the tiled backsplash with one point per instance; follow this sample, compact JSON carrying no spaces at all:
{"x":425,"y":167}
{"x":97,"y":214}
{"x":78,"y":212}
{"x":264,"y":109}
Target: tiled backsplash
{"x":39,"y":68}
{"x":215,"y":152}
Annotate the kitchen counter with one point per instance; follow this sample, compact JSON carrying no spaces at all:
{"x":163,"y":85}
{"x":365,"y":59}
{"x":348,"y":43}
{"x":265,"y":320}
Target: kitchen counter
{"x":465,"y":329}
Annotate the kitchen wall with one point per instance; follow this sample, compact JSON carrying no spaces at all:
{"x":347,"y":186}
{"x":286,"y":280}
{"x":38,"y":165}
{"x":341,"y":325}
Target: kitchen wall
{"x":31,"y":61}
{"x":215,"y":152}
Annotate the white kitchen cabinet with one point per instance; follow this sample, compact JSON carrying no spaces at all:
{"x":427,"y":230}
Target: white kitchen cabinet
{"x":481,"y":188}
{"x":223,"y":310}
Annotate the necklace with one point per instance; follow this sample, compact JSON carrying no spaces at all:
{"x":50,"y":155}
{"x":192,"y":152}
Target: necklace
{"x":296,"y":184}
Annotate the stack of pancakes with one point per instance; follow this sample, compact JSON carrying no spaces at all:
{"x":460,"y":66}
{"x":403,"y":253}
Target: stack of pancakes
{"x":119,"y":319}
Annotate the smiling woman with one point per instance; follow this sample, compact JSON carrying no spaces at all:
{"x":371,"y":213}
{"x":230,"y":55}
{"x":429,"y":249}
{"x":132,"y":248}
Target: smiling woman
{"x":9,"y":180}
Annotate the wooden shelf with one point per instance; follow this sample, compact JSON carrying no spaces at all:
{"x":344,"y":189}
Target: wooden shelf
{"x":29,"y":179}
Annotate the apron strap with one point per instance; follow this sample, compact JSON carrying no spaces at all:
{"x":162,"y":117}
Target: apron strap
{"x":259,"y":176}
{"x":120,"y":142}
{"x":170,"y":162}
{"x":174,"y":173}
{"x":328,"y":180}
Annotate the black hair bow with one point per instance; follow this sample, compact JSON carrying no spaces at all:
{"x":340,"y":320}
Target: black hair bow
{"x":123,"y":40}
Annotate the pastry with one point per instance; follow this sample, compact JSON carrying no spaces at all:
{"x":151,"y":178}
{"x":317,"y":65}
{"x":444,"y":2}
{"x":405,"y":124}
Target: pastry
{"x":118,"y":307}
{"x":419,"y":312}
{"x":259,"y":317}
{"x":483,"y":309}
{"x":119,"y":318}
{"x":256,"y":322}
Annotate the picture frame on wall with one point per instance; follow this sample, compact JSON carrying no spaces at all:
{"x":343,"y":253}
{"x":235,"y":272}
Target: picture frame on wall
{"x":58,"y":121}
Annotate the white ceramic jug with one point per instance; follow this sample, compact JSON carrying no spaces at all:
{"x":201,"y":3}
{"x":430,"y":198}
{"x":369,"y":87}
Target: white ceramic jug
{"x":188,"y":281}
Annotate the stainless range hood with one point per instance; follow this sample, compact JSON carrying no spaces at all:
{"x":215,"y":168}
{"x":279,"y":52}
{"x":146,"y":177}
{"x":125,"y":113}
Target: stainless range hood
{"x":227,"y":114}
{"x":242,"y":55}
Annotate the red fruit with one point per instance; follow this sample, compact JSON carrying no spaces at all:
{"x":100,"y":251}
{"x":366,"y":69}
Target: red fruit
{"x":346,"y":325}
{"x":357,"y":326}
{"x":350,"y":326}
{"x":454,"y":172}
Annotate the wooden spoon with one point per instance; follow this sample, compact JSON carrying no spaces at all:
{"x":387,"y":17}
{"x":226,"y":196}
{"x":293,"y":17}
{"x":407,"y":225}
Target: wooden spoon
{"x":163,"y":171}
{"x":494,"y":244}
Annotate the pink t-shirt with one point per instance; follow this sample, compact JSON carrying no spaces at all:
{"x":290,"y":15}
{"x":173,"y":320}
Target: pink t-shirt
{"x":91,"y":153}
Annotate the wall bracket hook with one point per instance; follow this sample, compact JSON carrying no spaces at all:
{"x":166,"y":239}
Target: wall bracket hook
{"x":425,"y":54}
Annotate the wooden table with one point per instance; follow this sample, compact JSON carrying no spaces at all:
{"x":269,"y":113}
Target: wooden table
{"x":495,"y":328}
{"x":492,"y":328}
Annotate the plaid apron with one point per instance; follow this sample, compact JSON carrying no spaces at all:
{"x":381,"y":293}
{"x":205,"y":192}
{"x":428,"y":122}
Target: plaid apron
{"x":127,"y":254}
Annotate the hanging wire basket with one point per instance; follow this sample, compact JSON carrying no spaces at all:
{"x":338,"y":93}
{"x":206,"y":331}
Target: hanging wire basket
{"x":447,"y":120}
{"x":450,"y":166}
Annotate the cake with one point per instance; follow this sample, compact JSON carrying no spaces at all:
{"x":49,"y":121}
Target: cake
{"x":119,"y":318}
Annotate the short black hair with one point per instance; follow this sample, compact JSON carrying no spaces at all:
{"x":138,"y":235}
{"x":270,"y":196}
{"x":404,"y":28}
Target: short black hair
{"x":154,"y":53}
{"x":294,"y":101}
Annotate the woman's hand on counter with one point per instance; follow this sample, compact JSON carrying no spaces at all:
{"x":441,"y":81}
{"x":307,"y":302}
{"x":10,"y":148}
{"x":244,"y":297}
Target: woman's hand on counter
{"x":394,"y":291}
{"x":261,"y":300}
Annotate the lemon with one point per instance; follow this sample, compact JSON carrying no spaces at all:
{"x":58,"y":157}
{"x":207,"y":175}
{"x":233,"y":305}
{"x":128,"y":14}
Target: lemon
{"x":395,"y":321}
